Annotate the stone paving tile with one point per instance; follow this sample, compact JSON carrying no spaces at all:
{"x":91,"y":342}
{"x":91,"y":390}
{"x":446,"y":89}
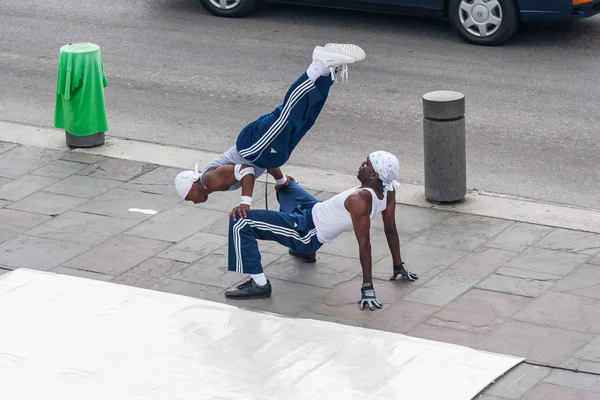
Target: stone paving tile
{"x":519,"y":236}
{"x":563,"y":311}
{"x":220,"y":226}
{"x":328,"y":272}
{"x":159,"y":181}
{"x":24,"y":186}
{"x":117,"y":202}
{"x":4,"y":181}
{"x":176,"y":223}
{"x":21,"y":160}
{"x":46,"y":203}
{"x":479,"y":311}
{"x":401,"y":316}
{"x":519,"y":281}
{"x":4,"y":203}
{"x":19,"y":221}
{"x":590,"y":352}
{"x":116,"y":169}
{"x":541,"y":344}
{"x":546,"y":391}
{"x":59,"y":169}
{"x":343,"y":301}
{"x":82,"y":274}
{"x":346,"y":245}
{"x":331,"y":318}
{"x":413,"y":221}
{"x":4,"y":271}
{"x":149,"y":273}
{"x":463,"y":232}
{"x":117,"y":255}
{"x":212,"y":270}
{"x":82,"y":186}
{"x":584,"y":281}
{"x":38,"y":253}
{"x":571,"y":241}
{"x":548,"y":261}
{"x":194,"y":248}
{"x":81,"y":228}
{"x":482,"y":262}
{"x":425,"y":261}
{"x":190,"y":289}
{"x":580,"y":381}
{"x":83,"y":158}
{"x":577,"y":364}
{"x":442,"y":289}
{"x":5,"y":146}
{"x":447,"y":335}
{"x":595,"y":260}
{"x":518,"y":381}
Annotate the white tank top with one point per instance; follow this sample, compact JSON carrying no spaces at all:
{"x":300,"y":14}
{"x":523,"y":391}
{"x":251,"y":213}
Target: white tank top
{"x":332,"y":219}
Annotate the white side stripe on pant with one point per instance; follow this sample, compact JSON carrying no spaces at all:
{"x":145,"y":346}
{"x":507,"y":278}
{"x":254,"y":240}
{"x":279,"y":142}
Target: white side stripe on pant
{"x":279,"y":230}
{"x":278,"y":125}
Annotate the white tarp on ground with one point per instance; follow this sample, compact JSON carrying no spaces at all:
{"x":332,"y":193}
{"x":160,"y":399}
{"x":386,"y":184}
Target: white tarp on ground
{"x":69,"y":338}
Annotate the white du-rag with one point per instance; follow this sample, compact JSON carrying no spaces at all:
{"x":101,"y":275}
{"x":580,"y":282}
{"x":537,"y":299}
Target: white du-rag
{"x":184,"y":181}
{"x":386,"y":165}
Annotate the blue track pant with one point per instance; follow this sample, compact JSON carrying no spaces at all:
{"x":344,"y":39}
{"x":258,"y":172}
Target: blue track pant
{"x":292,"y":226}
{"x":269,"y":141}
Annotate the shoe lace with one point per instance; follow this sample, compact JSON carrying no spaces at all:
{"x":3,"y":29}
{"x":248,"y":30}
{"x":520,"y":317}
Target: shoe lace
{"x":245,"y":285}
{"x":343,"y":74}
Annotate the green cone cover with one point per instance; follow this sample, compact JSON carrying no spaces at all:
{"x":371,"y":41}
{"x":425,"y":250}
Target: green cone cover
{"x":80,"y":108}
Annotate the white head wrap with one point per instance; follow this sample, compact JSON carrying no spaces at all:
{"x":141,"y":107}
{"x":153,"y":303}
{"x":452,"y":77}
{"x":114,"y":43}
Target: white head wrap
{"x":386,"y":165}
{"x":184,"y":181}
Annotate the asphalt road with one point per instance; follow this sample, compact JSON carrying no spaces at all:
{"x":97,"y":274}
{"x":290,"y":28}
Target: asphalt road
{"x":180,"y":76}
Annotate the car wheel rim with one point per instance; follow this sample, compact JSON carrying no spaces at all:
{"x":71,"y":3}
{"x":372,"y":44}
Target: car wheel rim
{"x":480,"y":18}
{"x":225,"y":4}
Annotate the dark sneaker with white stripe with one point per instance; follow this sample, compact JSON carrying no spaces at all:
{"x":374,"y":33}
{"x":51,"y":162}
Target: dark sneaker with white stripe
{"x":249,"y":290}
{"x":306,"y":257}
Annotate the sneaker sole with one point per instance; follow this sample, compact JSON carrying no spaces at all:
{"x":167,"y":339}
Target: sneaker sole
{"x":350,"y":50}
{"x":330,"y":56}
{"x":262,"y":296}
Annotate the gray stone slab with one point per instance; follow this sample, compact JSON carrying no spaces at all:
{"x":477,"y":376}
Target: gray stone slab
{"x":590,"y":352}
{"x":189,"y":289}
{"x":330,"y":318}
{"x":519,"y":281}
{"x":585,"y":382}
{"x":117,"y":169}
{"x":479,"y":311}
{"x":20,"y":221}
{"x":328,"y":272}
{"x":4,"y":181}
{"x":38,"y":253}
{"x":343,"y":300}
{"x":22,"y":160}
{"x":83,"y":158}
{"x":563,"y":311}
{"x":546,"y":391}
{"x":117,"y":255}
{"x":194,"y":248}
{"x":463,"y":232}
{"x":47,"y":203}
{"x":24,"y":186}
{"x":425,"y":261}
{"x":149,"y":273}
{"x":548,"y":261}
{"x":59,"y":169}
{"x":571,"y":241}
{"x":176,"y":223}
{"x":220,"y":226}
{"x":413,"y":221}
{"x":346,"y":245}
{"x":401,"y":316}
{"x":446,"y":335}
{"x":442,"y":289}
{"x":5,"y":146}
{"x":482,"y":262}
{"x":595,"y":260}
{"x":4,"y":203}
{"x":82,"y":186}
{"x":584,"y":281}
{"x":519,"y":236}
{"x":540,"y":344}
{"x":576,"y":364}
{"x":212,"y":270}
{"x":117,"y":202}
{"x":6,"y":234}
{"x":83,"y":274}
{"x":82,"y":228}
{"x":160,"y":181}
{"x":518,"y":381}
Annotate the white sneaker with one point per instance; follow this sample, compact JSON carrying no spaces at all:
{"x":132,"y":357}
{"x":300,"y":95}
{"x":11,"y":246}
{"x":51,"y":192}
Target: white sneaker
{"x":335,"y":55}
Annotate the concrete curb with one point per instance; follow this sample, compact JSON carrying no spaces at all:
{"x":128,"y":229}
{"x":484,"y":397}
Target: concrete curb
{"x":477,"y":203}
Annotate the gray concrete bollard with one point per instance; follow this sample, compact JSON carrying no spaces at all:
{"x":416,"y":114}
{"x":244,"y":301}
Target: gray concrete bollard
{"x":444,"y":146}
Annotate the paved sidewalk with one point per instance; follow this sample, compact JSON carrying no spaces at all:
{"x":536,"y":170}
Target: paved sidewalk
{"x":508,"y":287}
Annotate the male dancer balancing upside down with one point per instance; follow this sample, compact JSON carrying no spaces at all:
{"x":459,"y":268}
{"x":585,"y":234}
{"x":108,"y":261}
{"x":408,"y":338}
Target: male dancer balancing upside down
{"x":268,"y":142}
{"x":304,"y":224}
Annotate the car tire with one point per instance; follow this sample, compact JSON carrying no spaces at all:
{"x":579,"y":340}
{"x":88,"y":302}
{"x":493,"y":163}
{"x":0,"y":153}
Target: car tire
{"x":487,"y":22}
{"x":235,"y":8}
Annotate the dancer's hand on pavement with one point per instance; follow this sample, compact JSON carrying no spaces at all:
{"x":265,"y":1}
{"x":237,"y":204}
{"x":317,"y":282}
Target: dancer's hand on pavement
{"x":368,"y":297}
{"x":400,"y":270}
{"x":240,"y":211}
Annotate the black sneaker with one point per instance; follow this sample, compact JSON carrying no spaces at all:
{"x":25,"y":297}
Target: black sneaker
{"x":249,"y":290}
{"x":306,"y":257}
